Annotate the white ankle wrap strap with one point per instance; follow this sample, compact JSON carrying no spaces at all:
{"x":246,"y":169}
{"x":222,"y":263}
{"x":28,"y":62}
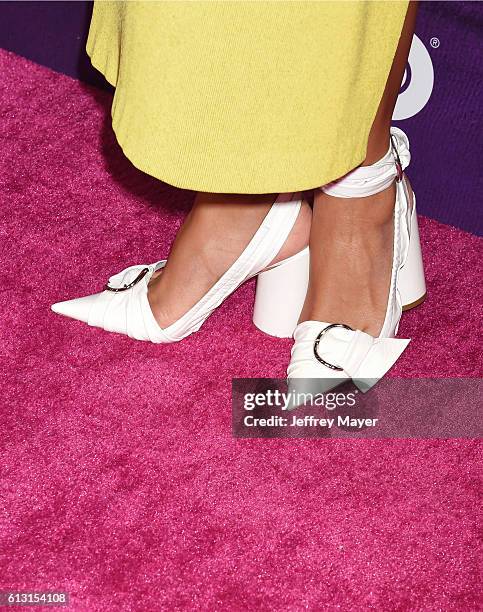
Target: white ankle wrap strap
{"x":368,"y":180}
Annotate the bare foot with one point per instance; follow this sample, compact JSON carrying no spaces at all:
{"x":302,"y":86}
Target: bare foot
{"x":351,"y":249}
{"x":214,"y":234}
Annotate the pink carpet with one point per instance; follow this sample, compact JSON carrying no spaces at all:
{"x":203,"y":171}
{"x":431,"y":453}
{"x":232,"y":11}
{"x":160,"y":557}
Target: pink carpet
{"x":121,"y":482}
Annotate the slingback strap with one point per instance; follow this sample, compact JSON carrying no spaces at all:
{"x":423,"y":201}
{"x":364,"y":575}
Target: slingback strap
{"x":258,"y":254}
{"x":368,"y":180}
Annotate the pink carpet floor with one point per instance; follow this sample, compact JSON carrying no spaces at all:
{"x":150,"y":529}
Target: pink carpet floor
{"x":121,"y":482}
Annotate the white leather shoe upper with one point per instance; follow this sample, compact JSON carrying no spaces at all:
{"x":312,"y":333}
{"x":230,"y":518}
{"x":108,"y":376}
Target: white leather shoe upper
{"x":128,"y":311}
{"x":356,"y":354}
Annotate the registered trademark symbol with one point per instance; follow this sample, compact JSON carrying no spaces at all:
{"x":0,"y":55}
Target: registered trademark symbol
{"x":434,"y":42}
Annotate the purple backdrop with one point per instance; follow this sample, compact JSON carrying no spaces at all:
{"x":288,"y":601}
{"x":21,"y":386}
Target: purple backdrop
{"x":446,"y":134}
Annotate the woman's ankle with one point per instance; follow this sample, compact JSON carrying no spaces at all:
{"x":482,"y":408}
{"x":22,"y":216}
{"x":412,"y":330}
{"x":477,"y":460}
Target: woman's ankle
{"x":351,"y":259}
{"x":344,"y":213}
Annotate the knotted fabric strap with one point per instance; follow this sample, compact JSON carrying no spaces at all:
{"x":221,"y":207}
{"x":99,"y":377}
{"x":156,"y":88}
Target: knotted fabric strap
{"x":334,"y":351}
{"x":368,"y":180}
{"x":367,"y":359}
{"x":127,"y":310}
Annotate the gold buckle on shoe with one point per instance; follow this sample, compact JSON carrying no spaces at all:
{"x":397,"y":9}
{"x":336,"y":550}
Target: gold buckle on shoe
{"x":140,"y":276}
{"x":317,"y":342}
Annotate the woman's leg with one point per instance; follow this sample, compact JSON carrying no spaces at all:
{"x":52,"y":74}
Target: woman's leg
{"x":351,"y":239}
{"x":213,"y":236}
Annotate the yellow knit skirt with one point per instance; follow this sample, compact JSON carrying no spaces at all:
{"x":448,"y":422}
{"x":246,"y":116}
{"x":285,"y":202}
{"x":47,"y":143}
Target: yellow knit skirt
{"x":245,"y":96}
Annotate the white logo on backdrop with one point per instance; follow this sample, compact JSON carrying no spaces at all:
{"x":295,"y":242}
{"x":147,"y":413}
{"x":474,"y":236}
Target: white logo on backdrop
{"x":418,"y":91}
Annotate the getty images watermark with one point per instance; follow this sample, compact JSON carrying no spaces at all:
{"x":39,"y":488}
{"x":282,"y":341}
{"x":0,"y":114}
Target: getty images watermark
{"x":392,"y":408}
{"x":290,"y":400}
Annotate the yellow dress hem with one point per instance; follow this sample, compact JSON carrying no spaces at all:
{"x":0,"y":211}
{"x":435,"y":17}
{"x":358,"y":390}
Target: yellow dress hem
{"x":216,"y":186}
{"x":223,"y":98}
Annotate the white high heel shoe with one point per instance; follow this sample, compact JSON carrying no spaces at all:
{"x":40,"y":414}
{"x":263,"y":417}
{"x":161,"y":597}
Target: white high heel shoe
{"x":325,"y":355}
{"x":123,"y":305}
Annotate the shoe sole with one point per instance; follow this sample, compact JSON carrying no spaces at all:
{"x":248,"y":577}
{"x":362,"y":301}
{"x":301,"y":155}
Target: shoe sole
{"x":415,"y":304}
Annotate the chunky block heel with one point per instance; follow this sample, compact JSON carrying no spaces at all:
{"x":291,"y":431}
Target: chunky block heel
{"x":280,"y":295}
{"x":411,"y":282}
